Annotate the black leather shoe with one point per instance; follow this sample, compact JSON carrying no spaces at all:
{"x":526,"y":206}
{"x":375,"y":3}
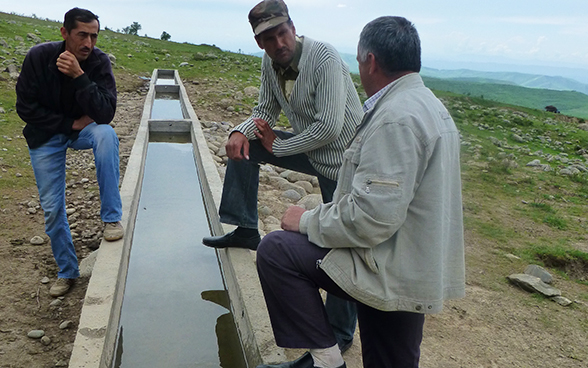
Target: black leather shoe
{"x":305,"y":361}
{"x":230,"y":240}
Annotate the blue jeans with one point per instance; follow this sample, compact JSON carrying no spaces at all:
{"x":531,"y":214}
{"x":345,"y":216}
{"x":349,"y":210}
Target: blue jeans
{"x":48,"y":163}
{"x":239,"y":207}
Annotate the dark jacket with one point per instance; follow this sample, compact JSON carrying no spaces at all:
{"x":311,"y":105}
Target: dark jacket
{"x":49,"y":101}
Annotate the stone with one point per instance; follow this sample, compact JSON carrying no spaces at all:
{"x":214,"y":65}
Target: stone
{"x":45,"y":280}
{"x":534,"y":163}
{"x":533,"y":284}
{"x":46,"y":340}
{"x":37,"y":240}
{"x":306,"y":185}
{"x":251,"y":91}
{"x":87,"y":264}
{"x":36,"y":334}
{"x":65,"y":325}
{"x":310,"y":201}
{"x":292,"y":195}
{"x":538,"y":271}
{"x":56,"y":303}
{"x":561,"y":300}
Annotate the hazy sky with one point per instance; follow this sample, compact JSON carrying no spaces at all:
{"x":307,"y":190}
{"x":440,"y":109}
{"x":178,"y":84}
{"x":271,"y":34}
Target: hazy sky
{"x":535,"y":32}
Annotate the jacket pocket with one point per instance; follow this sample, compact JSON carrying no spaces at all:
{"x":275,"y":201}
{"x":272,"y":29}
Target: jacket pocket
{"x":367,"y":255}
{"x":371,"y":183}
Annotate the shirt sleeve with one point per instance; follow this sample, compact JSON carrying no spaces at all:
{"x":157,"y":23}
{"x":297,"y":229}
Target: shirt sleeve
{"x":329,"y":106}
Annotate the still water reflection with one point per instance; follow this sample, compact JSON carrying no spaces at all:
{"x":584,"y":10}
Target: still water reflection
{"x":175,"y":309}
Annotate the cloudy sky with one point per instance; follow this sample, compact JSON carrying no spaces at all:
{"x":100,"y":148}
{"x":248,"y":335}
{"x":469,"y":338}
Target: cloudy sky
{"x":529,"y":32}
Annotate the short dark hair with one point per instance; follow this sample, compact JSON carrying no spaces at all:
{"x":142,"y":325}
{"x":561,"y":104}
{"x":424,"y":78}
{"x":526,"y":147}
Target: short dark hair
{"x":395,"y":43}
{"x":78,"y":15}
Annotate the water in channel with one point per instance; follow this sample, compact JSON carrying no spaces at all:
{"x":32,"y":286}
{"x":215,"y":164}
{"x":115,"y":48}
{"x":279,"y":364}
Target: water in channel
{"x":175,"y":311}
{"x":167,"y":106}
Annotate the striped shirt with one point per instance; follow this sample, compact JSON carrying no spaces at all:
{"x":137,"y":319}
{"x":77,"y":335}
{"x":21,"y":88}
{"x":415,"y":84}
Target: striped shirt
{"x":323,"y":108}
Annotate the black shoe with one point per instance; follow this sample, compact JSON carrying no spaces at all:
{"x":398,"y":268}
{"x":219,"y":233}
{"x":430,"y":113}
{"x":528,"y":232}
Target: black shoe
{"x":345,"y":345}
{"x":305,"y":361}
{"x":231,"y":240}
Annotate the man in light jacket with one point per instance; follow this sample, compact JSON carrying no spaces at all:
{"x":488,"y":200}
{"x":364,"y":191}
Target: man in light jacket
{"x":392,"y":238}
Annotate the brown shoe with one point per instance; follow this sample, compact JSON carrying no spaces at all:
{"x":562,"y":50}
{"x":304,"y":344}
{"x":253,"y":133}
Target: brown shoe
{"x":113,"y":231}
{"x":61,"y":287}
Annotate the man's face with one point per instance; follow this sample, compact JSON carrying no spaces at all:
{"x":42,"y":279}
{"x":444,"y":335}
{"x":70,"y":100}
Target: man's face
{"x":279,"y":43}
{"x":82,"y":39}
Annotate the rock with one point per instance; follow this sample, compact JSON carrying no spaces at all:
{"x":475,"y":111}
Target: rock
{"x":292,"y":195}
{"x":561,"y":300}
{"x":87,"y":264}
{"x":512,"y":257}
{"x":264,"y":211}
{"x":306,"y":185}
{"x":538,"y":271}
{"x":534,"y":163}
{"x":37,"y":240}
{"x":251,"y":91}
{"x":36,"y":334}
{"x":33,"y":37}
{"x":65,"y":325}
{"x":310,"y":201}
{"x":45,"y":280}
{"x":184,"y":64}
{"x":56,"y":303}
{"x":294,"y":176}
{"x":533,"y":284}
{"x":46,"y":340}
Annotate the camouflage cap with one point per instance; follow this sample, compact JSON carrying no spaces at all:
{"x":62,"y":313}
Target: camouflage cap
{"x":268,"y":14}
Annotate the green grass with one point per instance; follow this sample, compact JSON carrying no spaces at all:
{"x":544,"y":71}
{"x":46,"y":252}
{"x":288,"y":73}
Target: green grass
{"x":569,"y":102}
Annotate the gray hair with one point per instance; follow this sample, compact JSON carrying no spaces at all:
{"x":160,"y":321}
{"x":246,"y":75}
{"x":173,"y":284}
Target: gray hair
{"x":395,"y":43}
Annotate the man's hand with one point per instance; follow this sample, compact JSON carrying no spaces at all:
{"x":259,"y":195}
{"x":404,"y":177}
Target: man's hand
{"x":82,"y":122}
{"x":238,"y":147}
{"x":291,"y":218}
{"x":68,"y":64}
{"x":265,"y":134}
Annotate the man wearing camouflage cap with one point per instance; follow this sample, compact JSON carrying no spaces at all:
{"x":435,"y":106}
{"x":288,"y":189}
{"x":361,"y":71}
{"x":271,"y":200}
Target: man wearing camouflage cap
{"x":310,"y":84}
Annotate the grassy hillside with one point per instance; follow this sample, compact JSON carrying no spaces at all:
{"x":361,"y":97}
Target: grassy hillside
{"x":519,"y":79}
{"x":569,"y":103}
{"x":501,"y":193}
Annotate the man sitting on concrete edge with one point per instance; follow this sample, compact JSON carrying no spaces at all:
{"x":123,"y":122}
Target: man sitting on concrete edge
{"x":308,"y":81}
{"x":392,"y":239}
{"x":66,"y":94}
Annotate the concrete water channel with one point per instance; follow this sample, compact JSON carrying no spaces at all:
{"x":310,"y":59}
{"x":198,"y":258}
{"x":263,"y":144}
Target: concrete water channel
{"x":158,"y":297}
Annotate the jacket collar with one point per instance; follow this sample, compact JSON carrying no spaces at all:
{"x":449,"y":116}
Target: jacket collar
{"x":409,"y":81}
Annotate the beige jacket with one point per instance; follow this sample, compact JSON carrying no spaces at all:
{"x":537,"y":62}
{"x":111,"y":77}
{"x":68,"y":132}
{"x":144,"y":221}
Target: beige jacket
{"x":395,"y":222}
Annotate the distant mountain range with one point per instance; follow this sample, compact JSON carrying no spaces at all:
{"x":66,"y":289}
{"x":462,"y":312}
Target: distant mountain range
{"x":510,"y":78}
{"x":518,"y":79}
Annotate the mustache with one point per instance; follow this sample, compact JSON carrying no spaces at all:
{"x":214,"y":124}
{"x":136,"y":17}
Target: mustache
{"x":85,"y":49}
